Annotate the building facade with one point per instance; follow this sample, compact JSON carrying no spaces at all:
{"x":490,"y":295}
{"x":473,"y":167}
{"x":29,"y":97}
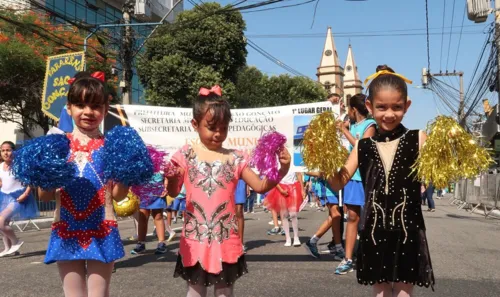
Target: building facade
{"x":92,"y":12}
{"x":336,"y":78}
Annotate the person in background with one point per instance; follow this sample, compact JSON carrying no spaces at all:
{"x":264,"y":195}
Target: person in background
{"x":250,"y":201}
{"x":428,"y":193}
{"x":240,"y":199}
{"x":16,"y":201}
{"x":353,"y":193}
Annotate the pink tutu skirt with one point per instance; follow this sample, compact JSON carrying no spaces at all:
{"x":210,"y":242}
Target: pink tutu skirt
{"x":277,"y":202}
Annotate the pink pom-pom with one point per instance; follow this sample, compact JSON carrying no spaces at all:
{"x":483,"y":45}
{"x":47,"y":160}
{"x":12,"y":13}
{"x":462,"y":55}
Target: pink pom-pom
{"x":265,"y":155}
{"x":158,"y":158}
{"x":155,"y":186}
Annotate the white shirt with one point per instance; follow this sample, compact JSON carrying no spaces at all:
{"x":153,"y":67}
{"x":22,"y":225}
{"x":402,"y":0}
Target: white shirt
{"x":289,"y":179}
{"x":9,"y":182}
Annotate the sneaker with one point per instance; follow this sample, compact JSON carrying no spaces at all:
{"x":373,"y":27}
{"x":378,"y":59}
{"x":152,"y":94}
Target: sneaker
{"x":171,"y":237}
{"x":288,"y":243}
{"x":245,"y":249}
{"x":15,"y":247}
{"x":296,"y":242}
{"x":252,"y":211}
{"x":139,"y":248}
{"x":330,"y":249}
{"x":161,"y":248}
{"x":3,"y":253}
{"x":312,"y":249}
{"x":274,"y":231}
{"x":339,"y":255}
{"x":175,"y":220}
{"x":282,"y":232}
{"x":344,"y":267}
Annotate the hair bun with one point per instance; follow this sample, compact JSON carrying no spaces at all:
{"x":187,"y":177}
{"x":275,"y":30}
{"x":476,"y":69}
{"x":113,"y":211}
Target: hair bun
{"x":384,"y":67}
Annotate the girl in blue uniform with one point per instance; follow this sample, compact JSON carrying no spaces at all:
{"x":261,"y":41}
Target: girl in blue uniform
{"x":85,"y":240}
{"x":16,"y":201}
{"x":354,"y":196}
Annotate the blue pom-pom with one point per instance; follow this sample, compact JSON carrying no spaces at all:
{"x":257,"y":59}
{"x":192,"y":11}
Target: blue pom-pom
{"x":43,"y":162}
{"x":126,"y":156}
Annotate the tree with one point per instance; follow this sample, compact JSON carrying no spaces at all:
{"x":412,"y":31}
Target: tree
{"x":26,"y":40}
{"x":254,"y":89}
{"x":204,"y":46}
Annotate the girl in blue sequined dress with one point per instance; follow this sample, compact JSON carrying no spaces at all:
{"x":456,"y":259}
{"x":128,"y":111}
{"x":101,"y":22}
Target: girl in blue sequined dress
{"x":85,"y":240}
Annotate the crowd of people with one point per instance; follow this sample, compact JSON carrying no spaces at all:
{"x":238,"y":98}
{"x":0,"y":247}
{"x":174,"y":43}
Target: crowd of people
{"x":212,"y":188}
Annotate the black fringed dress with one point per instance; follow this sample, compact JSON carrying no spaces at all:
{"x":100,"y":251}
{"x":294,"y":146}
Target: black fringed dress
{"x":393,"y":246}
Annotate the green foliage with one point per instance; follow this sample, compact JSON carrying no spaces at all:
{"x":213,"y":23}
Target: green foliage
{"x":254,"y":89}
{"x":26,"y":40}
{"x":202,"y":48}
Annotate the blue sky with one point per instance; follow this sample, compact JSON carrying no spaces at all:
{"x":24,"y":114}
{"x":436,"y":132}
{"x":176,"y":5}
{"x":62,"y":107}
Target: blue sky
{"x":406,"y":54}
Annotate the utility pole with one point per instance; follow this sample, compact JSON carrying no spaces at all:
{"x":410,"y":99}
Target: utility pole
{"x":126,"y":52}
{"x":461,"y":104}
{"x":497,"y":44}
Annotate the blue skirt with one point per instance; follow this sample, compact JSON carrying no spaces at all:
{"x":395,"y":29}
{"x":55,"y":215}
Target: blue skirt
{"x":158,"y":203}
{"x":106,"y":250}
{"x":28,"y":209}
{"x":354,"y":193}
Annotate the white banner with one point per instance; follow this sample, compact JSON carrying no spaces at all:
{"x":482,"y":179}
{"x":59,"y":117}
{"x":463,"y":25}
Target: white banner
{"x":169,"y":128}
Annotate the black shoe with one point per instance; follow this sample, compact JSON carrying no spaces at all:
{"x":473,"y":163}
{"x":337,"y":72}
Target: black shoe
{"x":139,"y":248}
{"x":161,"y":249}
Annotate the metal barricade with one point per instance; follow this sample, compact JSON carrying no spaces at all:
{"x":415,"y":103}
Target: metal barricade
{"x":490,"y":192}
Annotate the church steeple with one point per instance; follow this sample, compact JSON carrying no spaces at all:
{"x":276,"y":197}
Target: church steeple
{"x":330,"y":73}
{"x":352,"y":83}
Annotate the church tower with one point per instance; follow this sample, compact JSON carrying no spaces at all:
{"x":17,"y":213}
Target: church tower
{"x":330,"y":74}
{"x":352,"y":83}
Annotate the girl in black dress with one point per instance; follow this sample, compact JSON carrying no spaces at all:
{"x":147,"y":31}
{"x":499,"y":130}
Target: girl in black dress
{"x":393,"y":255}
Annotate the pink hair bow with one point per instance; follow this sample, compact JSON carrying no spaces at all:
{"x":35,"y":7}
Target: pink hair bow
{"x":214,"y":90}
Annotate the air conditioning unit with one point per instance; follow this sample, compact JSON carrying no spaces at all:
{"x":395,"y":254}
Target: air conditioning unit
{"x":478,"y":10}
{"x":142,"y":9}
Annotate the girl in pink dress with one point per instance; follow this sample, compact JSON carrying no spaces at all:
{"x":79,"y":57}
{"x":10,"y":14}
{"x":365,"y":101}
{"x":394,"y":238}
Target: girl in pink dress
{"x":211,"y":252}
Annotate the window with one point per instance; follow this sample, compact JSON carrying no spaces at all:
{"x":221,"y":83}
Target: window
{"x":71,"y":9}
{"x":91,"y":16}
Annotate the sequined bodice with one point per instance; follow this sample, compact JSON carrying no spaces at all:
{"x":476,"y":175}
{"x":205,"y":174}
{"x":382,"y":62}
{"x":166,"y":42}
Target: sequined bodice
{"x":392,"y":195}
{"x":210,"y":234}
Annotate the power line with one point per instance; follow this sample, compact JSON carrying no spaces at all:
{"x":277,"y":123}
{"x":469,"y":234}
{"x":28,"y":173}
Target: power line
{"x":460,"y":37}
{"x":273,"y":59}
{"x":449,"y":41}
{"x":442,"y":38}
{"x":353,"y":35}
{"x":280,"y":7}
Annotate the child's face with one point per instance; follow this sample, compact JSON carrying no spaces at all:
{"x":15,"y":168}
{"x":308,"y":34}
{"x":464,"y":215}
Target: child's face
{"x":6,"y":152}
{"x":87,"y":117}
{"x":388,"y":108}
{"x":212,"y":136}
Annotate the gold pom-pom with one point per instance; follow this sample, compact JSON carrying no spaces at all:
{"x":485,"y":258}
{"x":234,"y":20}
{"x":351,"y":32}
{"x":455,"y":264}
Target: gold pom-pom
{"x":449,"y":154}
{"x":170,"y":200}
{"x":127,"y":206}
{"x":323,"y":149}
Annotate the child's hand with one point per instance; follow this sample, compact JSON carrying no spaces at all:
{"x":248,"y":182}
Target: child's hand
{"x":284,"y":193}
{"x":173,"y":171}
{"x":21,"y":198}
{"x":119,"y":191}
{"x":284,"y":157}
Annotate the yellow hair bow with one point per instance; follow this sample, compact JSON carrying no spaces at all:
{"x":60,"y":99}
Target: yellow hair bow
{"x":381,"y":72}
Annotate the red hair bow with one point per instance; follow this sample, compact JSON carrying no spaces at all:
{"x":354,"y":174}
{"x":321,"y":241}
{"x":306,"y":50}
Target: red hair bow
{"x":214,"y":90}
{"x":98,"y":75}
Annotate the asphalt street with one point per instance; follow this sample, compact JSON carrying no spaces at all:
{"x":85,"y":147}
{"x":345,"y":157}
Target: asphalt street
{"x":464,"y":249}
